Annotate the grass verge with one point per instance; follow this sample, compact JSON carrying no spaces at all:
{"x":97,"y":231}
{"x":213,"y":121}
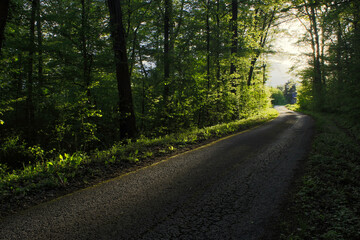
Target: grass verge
{"x":326,"y":201}
{"x":65,"y":173}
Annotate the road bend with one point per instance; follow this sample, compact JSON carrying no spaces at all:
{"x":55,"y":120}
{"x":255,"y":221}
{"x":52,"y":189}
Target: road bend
{"x":229,"y":189}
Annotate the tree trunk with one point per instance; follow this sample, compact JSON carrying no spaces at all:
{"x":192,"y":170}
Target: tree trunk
{"x":208,"y":46}
{"x":264,"y":72}
{"x":4,"y":8}
{"x":204,"y":111}
{"x":167,"y":53}
{"x":84,"y":49}
{"x":339,"y":53}
{"x":356,"y":42}
{"x":317,"y":64}
{"x":29,"y":98}
{"x":40,"y":46}
{"x":265,"y":31}
{"x":217,"y":51}
{"x":127,"y":116}
{"x":19,"y":89}
{"x":251,"y":71}
{"x":143,"y":90}
{"x":234,"y":29}
{"x":315,"y":45}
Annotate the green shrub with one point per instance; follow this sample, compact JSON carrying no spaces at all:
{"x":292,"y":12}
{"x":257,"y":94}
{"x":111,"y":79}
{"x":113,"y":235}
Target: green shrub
{"x":14,"y":153}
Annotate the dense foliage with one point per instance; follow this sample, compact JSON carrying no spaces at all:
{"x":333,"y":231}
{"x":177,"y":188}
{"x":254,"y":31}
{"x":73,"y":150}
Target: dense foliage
{"x":191,"y":64}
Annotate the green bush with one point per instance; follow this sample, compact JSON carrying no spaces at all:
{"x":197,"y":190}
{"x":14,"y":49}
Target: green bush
{"x":14,"y":152}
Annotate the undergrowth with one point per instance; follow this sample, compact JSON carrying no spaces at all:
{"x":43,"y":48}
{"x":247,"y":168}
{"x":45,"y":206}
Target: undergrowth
{"x":326,"y":203}
{"x":62,"y":170}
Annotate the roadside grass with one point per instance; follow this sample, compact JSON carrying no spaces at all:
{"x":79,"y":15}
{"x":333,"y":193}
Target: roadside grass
{"x":20,"y":187}
{"x":326,"y":201}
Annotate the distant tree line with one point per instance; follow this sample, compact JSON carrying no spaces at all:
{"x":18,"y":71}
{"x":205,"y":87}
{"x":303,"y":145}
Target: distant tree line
{"x":286,"y":94}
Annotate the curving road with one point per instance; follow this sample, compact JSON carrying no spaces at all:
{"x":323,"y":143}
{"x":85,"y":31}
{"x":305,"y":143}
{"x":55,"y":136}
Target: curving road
{"x":226,"y":190}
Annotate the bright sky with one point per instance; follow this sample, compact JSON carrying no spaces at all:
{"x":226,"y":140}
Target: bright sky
{"x":288,"y":52}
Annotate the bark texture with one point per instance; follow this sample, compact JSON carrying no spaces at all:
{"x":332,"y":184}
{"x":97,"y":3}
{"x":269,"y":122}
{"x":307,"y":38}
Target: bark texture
{"x":127,"y":116}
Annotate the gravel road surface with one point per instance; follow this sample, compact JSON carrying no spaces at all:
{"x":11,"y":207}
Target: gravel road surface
{"x":229,"y":189}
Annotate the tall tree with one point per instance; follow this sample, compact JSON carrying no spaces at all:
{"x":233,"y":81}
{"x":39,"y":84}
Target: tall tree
{"x":356,"y":39}
{"x":39,"y":45}
{"x":208,"y":45}
{"x":267,"y":19}
{"x":127,"y":116}
{"x":30,"y":81}
{"x":316,"y":48}
{"x":167,"y":49}
{"x":234,"y":29}
{"x":217,"y":39}
{"x":4,"y":8}
{"x":87,"y":58}
{"x":310,"y":8}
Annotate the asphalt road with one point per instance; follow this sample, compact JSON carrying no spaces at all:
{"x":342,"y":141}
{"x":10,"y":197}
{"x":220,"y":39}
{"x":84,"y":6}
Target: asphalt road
{"x":226,"y":190}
